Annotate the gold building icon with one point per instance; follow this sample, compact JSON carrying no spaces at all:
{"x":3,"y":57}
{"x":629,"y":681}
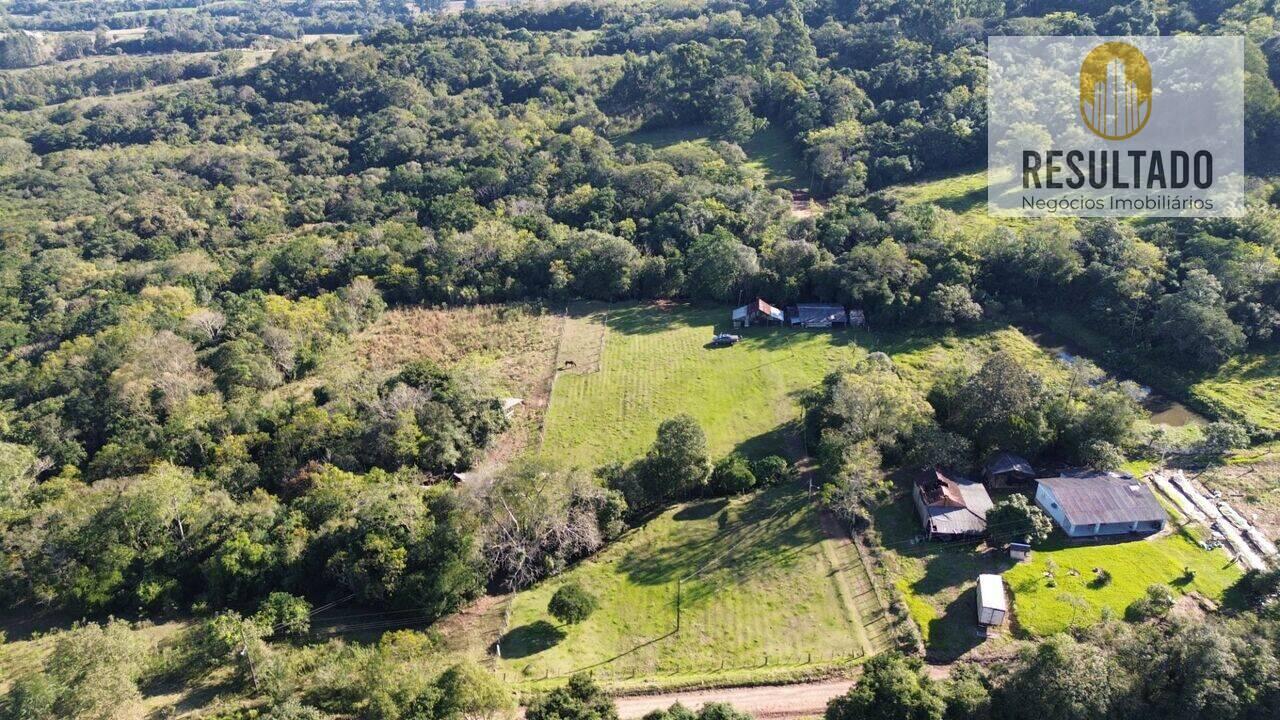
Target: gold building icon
{"x":1115,"y":90}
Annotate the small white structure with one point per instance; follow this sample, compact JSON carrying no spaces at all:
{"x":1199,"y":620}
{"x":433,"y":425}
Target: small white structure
{"x":509,"y":405}
{"x":1019,"y":551}
{"x":991,"y":602}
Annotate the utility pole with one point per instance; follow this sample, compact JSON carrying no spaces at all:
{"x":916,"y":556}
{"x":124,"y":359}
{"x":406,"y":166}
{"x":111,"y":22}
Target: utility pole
{"x":678,"y":606}
{"x":244,"y":650}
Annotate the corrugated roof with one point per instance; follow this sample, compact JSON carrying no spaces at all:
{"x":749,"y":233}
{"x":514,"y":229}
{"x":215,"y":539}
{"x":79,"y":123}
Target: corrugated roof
{"x":809,"y":313}
{"x":759,"y":306}
{"x":956,"y":506}
{"x":1104,"y":498}
{"x":1008,"y":462}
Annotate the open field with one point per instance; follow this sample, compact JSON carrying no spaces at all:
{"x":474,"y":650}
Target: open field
{"x":1076,"y":598}
{"x":656,"y":365}
{"x":770,"y":150}
{"x":764,"y":589}
{"x":964,"y":194}
{"x":1246,"y":387}
{"x":938,"y":580}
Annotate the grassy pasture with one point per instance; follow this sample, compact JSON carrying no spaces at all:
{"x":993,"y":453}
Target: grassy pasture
{"x":766,"y":589}
{"x":1076,"y":598}
{"x":656,"y":364}
{"x":770,"y":151}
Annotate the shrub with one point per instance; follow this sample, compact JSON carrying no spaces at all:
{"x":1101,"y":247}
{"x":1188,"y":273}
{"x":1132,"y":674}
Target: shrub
{"x":571,"y":604}
{"x":732,"y":476}
{"x":771,"y":470}
{"x":1155,"y":604}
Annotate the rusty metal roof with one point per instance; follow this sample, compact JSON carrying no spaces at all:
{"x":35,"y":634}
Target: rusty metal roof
{"x":1104,"y":498}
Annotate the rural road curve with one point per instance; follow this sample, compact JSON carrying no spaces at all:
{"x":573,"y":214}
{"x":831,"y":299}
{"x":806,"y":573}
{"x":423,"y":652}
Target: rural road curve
{"x":774,"y":702}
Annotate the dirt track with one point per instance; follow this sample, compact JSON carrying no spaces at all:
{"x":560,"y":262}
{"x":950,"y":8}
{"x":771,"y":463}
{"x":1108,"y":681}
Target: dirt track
{"x":772,"y":702}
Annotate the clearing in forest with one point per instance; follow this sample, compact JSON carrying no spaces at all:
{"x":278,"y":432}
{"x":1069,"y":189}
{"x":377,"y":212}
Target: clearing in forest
{"x":766,"y":592}
{"x":657,"y":364}
{"x":770,"y":150}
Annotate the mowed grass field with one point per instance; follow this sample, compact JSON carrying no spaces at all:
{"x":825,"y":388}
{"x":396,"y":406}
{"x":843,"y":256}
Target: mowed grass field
{"x":765,"y":589}
{"x":1075,"y":598}
{"x":656,"y":364}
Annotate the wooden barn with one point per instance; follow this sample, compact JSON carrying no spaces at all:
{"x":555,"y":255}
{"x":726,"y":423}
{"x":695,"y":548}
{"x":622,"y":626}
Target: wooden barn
{"x":1008,"y":470}
{"x":951,"y":507}
{"x":758,"y":312}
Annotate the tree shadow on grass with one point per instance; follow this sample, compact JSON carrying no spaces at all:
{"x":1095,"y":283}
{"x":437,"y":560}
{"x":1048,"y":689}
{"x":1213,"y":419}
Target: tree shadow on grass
{"x":765,"y":531}
{"x":530,"y":639}
{"x":701,"y":510}
{"x":955,"y":632}
{"x":784,"y":440}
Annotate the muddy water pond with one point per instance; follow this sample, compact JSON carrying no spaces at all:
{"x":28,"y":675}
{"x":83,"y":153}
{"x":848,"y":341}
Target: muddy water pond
{"x":1161,"y":409}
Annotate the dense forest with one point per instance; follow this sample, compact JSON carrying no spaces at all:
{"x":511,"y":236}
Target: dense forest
{"x":176,"y":264}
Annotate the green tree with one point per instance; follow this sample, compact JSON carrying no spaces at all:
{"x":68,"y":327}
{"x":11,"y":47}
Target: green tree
{"x":717,"y":264}
{"x":580,"y":699}
{"x":572,"y":604}
{"x":1014,"y":517}
{"x":1059,"y":679}
{"x":676,"y":465}
{"x":892,"y":687}
{"x":732,"y":475}
{"x":285,"y":613}
{"x":469,"y":692}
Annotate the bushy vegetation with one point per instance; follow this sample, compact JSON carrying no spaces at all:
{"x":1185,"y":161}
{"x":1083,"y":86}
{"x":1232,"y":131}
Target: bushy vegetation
{"x":179,"y":267}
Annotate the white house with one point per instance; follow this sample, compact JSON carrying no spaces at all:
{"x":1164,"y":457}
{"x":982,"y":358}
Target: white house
{"x":1095,"y":504}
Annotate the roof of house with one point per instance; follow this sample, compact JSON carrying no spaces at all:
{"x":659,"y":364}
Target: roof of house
{"x":1008,"y":462}
{"x":1089,"y":498}
{"x":991,"y":592}
{"x":956,"y":505}
{"x":820,"y":313}
{"x":758,"y":306}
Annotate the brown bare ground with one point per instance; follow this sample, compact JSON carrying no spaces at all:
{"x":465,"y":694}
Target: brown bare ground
{"x":1251,"y":484}
{"x":772,"y":702}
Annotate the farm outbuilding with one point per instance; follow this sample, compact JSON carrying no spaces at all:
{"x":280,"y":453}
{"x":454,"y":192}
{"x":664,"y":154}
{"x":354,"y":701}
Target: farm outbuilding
{"x":951,"y":507}
{"x":1097,"y":504}
{"x":817,"y":316}
{"x":992,"y":607}
{"x":757,"y":312}
{"x":1008,"y":470}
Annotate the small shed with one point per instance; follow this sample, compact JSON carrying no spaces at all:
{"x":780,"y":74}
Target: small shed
{"x":1019,"y":551}
{"x":818,"y":316}
{"x":991,"y":602}
{"x":758,"y":312}
{"x":1008,"y":470}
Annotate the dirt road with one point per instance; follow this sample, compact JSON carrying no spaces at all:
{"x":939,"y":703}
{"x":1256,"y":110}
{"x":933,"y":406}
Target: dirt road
{"x":773,"y":702}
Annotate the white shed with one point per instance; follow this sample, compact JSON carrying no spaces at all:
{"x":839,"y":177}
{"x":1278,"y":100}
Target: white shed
{"x":991,"y":603}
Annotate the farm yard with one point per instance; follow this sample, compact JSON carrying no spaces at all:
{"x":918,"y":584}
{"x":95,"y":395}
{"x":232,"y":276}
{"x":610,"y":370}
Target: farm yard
{"x":1055,"y":590}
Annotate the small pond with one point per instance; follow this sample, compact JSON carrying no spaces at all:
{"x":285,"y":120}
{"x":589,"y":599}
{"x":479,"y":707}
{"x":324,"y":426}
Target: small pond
{"x":1161,"y":409}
